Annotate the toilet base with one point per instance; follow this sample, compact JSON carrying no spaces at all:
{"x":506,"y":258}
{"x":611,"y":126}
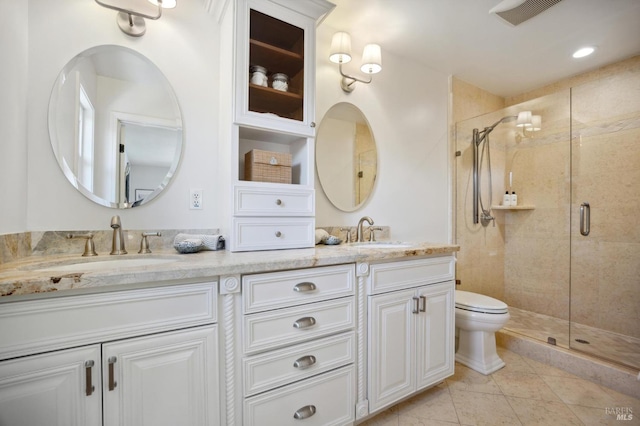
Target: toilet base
{"x":477,"y":350}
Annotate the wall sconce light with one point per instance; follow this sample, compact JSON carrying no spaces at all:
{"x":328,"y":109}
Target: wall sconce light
{"x":529,"y":122}
{"x":132,"y":22}
{"x":341,"y":54}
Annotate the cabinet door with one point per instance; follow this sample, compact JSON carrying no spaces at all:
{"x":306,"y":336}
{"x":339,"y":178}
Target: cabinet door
{"x":435,"y":331}
{"x":282,"y":40}
{"x":165,"y":379}
{"x":52,"y":389}
{"x":391,"y":348}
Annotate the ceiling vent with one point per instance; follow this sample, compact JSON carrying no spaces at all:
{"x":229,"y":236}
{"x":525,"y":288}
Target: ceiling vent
{"x":515,"y":12}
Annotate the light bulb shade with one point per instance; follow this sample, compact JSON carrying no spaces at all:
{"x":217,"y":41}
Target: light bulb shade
{"x":536,"y":123}
{"x":166,"y":4}
{"x":371,"y":59}
{"x":524,"y":119}
{"x":340,"y":48}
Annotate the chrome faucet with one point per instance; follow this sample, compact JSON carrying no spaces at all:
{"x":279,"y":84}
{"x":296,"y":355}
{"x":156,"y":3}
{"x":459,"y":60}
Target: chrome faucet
{"x":117,"y":245}
{"x":359,"y":232}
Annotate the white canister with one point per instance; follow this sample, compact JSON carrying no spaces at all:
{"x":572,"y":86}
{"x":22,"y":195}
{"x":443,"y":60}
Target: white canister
{"x":280,"y":82}
{"x":259,"y":75}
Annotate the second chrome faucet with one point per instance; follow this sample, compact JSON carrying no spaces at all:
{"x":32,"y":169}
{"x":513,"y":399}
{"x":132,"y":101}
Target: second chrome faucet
{"x":117,"y":244}
{"x":359,"y":231}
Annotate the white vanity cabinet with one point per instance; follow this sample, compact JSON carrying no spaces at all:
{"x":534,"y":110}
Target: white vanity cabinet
{"x":279,"y":36}
{"x":410,"y":327}
{"x":136,"y":357}
{"x":299,"y":347}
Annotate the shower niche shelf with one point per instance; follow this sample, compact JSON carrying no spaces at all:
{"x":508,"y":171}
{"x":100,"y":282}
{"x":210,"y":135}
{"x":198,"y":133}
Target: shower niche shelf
{"x":522,"y":207}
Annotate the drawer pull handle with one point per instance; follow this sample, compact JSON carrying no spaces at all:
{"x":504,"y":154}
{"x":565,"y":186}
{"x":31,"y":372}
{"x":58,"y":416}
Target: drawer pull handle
{"x":304,"y":362}
{"x":279,"y":202}
{"x":304,"y":287}
{"x":416,"y":305}
{"x":305,"y":322}
{"x":278,"y":234}
{"x":112,"y":381}
{"x":305,"y":412}
{"x":87,"y":366}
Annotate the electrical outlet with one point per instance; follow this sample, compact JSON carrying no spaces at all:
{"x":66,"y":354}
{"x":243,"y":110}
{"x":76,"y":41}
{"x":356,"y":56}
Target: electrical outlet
{"x":195,"y":199}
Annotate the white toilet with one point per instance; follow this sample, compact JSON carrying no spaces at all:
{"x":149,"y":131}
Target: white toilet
{"x":478,"y":317}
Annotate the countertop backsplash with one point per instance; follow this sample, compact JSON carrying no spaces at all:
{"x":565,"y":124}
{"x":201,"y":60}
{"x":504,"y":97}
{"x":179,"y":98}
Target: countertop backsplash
{"x":14,"y":247}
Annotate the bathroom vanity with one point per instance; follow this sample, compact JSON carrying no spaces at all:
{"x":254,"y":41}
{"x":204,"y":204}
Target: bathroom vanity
{"x":331,"y":335}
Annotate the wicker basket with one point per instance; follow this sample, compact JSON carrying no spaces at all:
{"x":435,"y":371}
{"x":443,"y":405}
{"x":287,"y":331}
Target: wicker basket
{"x":267,"y":166}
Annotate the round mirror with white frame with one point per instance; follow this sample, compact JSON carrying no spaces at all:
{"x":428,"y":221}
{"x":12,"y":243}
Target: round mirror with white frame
{"x":346,"y":157}
{"x":115,"y":126}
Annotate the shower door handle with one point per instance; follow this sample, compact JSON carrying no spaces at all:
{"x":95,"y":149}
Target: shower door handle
{"x":585,"y":219}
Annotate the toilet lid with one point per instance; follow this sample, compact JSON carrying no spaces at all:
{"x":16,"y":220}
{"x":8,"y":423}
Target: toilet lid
{"x":479,"y":303}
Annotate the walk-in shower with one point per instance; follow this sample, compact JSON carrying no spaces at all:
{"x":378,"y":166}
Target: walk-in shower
{"x":567,"y":258}
{"x":481,"y":149}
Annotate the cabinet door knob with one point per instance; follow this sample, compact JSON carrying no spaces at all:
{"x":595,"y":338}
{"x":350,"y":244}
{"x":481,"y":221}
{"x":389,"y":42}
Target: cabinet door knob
{"x":304,"y":287}
{"x":304,"y":412}
{"x":87,"y":366}
{"x":278,"y":234}
{"x":278,"y":202}
{"x":304,"y":362}
{"x":112,"y":382}
{"x":313,"y":124}
{"x":304,"y":322}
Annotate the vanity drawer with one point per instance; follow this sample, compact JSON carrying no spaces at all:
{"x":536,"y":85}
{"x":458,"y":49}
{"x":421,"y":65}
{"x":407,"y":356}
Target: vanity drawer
{"x":330,"y":396}
{"x":272,"y":329}
{"x":278,"y":368}
{"x":253,"y":201}
{"x":384,"y":277}
{"x":61,"y":322}
{"x":269,"y":233}
{"x":274,"y":290}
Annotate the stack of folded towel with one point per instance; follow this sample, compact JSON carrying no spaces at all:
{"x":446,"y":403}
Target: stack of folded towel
{"x":193,"y":243}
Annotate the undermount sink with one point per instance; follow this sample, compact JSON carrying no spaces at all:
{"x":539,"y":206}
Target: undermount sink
{"x":381,"y":244}
{"x":84,"y":265}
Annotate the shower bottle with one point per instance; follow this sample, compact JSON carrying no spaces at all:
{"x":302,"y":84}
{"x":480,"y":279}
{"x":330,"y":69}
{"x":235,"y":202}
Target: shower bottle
{"x":506,"y":200}
{"x":514,"y":199}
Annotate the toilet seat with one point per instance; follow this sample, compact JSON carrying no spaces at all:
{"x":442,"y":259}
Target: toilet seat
{"x":480,"y":303}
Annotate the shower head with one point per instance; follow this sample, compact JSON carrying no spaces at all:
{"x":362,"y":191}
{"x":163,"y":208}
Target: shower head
{"x":479,"y":136}
{"x":506,"y":119}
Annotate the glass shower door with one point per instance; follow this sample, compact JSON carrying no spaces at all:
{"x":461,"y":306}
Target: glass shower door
{"x":605,"y":218}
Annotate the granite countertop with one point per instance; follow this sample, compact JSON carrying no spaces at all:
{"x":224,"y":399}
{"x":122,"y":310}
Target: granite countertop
{"x":29,"y":276}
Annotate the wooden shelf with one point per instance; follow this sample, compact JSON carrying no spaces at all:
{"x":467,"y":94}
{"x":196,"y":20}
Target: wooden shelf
{"x":267,"y":99}
{"x":522,"y":207}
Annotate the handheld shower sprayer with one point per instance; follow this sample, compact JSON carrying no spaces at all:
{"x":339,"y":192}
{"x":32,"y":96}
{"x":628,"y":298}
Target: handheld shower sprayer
{"x":481,"y":137}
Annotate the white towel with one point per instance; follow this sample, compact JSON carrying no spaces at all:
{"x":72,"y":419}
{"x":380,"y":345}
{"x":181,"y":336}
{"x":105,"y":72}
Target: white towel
{"x":210,"y":242}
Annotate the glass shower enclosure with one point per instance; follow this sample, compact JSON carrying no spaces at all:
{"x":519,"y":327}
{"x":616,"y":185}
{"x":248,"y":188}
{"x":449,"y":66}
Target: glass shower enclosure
{"x":566,"y":259}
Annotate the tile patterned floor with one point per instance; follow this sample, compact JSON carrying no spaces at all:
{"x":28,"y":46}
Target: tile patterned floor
{"x":616,"y":347}
{"x":524,"y":392}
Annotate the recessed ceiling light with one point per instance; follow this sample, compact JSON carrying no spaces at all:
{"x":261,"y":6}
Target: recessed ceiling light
{"x":584,"y":51}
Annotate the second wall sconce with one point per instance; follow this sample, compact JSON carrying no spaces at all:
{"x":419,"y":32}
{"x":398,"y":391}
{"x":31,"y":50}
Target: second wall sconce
{"x":341,"y":54}
{"x":132,"y":22}
{"x":529,"y":122}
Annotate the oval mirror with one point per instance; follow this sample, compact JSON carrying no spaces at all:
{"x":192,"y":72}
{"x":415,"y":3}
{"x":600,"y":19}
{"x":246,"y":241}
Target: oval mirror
{"x":346,"y":157}
{"x":115,"y":126}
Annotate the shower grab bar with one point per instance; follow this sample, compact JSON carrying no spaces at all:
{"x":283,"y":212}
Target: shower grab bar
{"x":585,"y":219}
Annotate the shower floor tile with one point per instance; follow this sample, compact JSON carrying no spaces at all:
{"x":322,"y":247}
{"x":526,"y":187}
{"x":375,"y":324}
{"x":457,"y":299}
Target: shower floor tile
{"x":624,"y":350}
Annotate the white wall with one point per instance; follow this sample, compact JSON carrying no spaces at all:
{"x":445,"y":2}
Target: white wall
{"x":406,"y":106}
{"x":13,"y":127}
{"x":183,"y":44}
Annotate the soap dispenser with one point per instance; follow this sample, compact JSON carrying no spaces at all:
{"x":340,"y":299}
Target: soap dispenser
{"x":506,"y":200}
{"x":514,"y":199}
